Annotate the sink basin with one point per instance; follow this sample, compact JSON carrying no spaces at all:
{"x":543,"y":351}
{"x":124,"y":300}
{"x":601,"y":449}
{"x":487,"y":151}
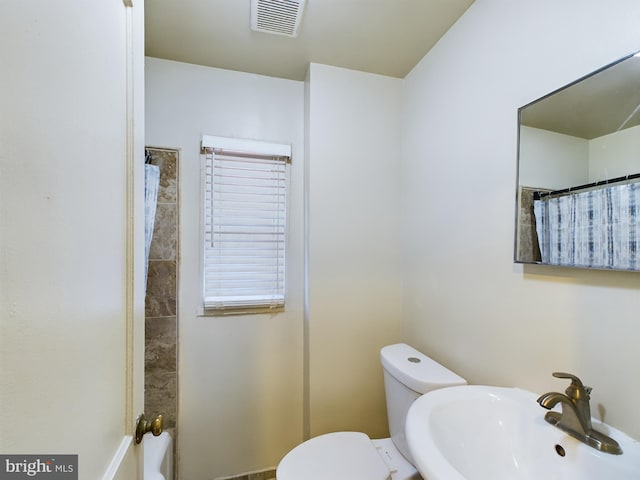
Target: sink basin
{"x":495,"y":433}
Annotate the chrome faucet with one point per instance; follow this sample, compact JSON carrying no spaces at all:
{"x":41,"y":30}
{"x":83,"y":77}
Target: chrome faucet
{"x":575,"y":417}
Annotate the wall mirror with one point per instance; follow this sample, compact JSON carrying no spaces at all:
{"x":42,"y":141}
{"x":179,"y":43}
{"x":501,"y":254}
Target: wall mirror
{"x":578,"y":180}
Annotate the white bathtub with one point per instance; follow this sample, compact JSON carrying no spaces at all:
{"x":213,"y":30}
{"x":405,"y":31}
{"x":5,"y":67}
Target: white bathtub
{"x":158,"y":457}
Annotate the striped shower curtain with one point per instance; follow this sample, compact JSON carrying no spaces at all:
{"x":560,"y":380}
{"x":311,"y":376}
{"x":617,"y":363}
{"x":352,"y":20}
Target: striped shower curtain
{"x":151,"y":184}
{"x":598,"y":228}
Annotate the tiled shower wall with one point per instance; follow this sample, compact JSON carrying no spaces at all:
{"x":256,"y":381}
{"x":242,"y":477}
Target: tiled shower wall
{"x":161,"y":319}
{"x":528,"y":249}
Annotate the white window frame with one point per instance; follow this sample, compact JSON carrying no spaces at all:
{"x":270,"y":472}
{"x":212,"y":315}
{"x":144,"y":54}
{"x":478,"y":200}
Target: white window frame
{"x":224,"y":151}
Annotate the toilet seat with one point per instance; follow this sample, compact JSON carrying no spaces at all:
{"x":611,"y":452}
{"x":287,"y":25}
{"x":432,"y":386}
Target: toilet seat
{"x":334,"y":456}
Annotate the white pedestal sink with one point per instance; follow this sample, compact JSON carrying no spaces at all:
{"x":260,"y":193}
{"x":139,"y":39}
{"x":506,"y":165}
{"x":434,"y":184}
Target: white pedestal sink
{"x":495,"y":433}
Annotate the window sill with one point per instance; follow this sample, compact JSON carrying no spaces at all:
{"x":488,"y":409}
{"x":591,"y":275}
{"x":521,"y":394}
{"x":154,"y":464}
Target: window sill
{"x":224,"y":312}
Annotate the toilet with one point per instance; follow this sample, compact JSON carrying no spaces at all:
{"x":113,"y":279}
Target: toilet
{"x":408,"y":374}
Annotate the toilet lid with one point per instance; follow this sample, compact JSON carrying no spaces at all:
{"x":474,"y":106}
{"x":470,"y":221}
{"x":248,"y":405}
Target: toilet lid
{"x":334,"y":456}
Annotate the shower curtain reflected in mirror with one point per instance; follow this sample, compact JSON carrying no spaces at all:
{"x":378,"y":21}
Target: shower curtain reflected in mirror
{"x":598,"y":228}
{"x":151,"y":184}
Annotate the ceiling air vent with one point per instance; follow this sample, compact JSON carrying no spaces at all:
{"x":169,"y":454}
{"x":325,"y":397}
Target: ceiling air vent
{"x":279,"y":17}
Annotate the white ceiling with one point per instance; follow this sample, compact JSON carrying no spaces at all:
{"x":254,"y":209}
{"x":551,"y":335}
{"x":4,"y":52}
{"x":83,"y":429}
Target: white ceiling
{"x":387,"y":37}
{"x":597,"y":105}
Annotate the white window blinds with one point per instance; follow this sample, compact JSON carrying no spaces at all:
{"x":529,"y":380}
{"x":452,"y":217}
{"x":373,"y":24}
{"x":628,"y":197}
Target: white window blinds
{"x":245,"y":209}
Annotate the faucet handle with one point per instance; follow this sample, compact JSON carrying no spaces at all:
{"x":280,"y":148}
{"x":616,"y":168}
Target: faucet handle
{"x":576,"y":390}
{"x":570,"y":376}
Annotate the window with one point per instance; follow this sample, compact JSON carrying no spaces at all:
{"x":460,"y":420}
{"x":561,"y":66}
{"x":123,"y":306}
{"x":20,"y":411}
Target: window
{"x":245,"y":219}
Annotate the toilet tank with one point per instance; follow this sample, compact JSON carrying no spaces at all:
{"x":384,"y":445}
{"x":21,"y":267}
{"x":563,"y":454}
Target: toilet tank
{"x":409,"y":374}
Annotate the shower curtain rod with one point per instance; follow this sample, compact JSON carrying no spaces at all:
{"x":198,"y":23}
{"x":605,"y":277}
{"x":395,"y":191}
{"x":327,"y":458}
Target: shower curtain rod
{"x":541,"y":195}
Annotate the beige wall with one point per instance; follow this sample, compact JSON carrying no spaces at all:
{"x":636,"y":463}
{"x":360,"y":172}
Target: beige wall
{"x":354,"y":233}
{"x":551,"y":160}
{"x":241,"y":402}
{"x":615,"y":155}
{"x":466,"y":304}
{"x":240,"y":377}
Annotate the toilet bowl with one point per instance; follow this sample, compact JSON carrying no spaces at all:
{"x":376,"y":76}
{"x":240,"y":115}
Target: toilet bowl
{"x":408,"y":374}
